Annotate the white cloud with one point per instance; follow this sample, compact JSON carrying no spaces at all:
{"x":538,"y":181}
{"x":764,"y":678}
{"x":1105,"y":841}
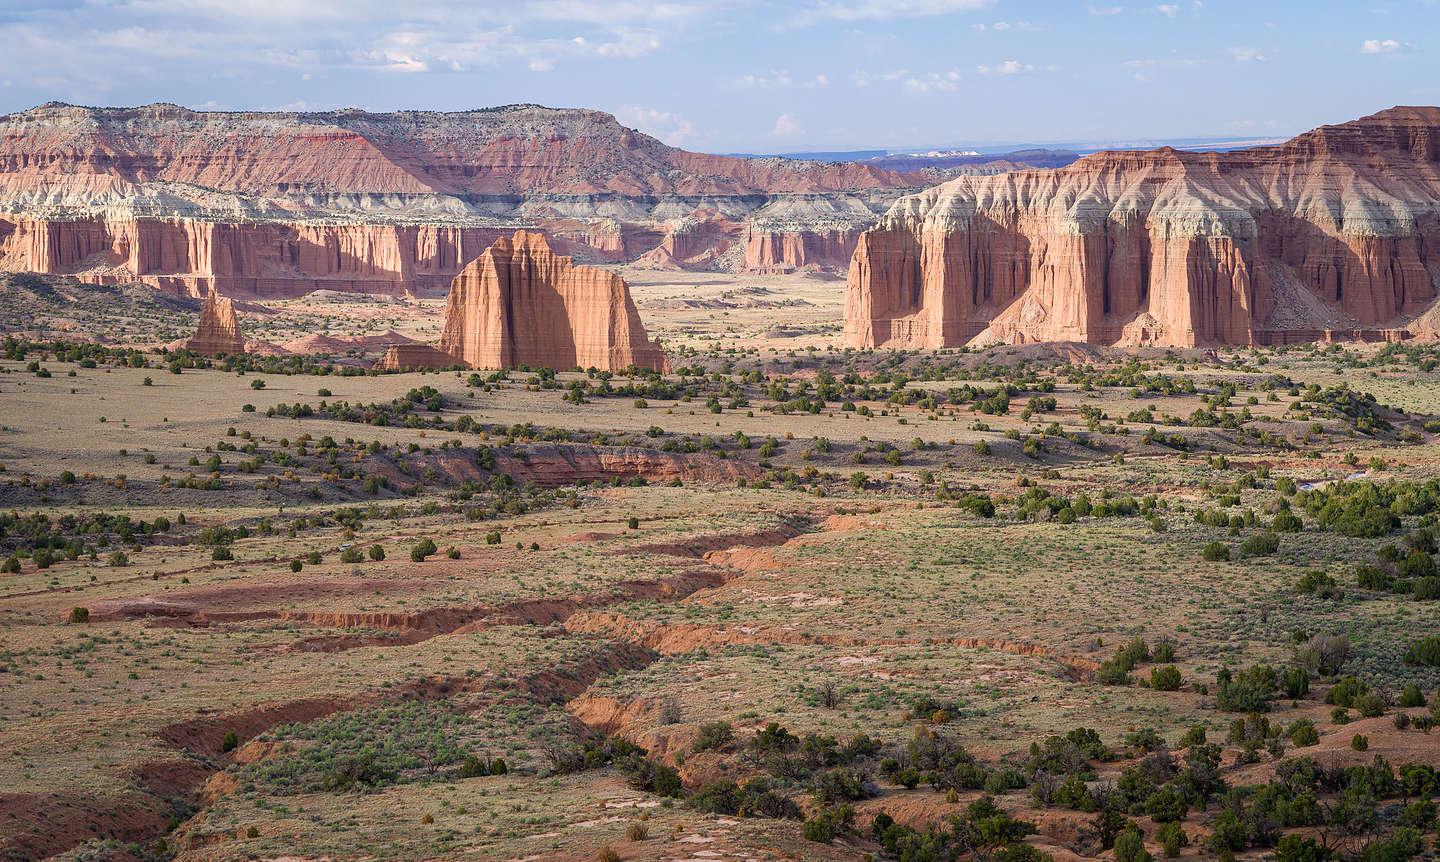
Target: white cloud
{"x":781,"y":78}
{"x":161,"y":39}
{"x":786,"y":126}
{"x":828,"y":11}
{"x":1168,"y":11}
{"x":942,"y":81}
{"x":1107,"y":10}
{"x":1247,"y":55}
{"x":1009,"y":67}
{"x":670,"y":128}
{"x":1383,"y":46}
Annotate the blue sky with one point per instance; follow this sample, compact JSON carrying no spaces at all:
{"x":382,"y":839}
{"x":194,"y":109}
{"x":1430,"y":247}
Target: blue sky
{"x":747,"y":75}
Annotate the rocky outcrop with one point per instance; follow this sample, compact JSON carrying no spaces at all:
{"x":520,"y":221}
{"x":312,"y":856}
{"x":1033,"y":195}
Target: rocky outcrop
{"x":279,"y":204}
{"x":519,"y":303}
{"x":551,"y":465}
{"x":265,"y":260}
{"x":408,"y":357}
{"x":1337,"y":229}
{"x":219,"y":329}
{"x":772,"y":250}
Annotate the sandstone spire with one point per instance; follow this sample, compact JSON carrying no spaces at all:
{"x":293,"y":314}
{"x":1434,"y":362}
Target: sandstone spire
{"x":219,"y":328}
{"x":519,"y":303}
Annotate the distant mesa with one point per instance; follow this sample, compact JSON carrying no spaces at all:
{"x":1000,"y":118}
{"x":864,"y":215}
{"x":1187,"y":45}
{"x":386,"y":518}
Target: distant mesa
{"x":519,"y":303}
{"x":218,"y":330}
{"x":262,"y":205}
{"x":1332,"y":235}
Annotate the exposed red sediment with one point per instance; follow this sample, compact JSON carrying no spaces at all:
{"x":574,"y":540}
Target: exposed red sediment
{"x":681,"y":638}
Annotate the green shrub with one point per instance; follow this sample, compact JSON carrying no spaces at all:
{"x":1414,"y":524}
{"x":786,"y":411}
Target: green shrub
{"x":377,"y":553}
{"x":1425,"y":651}
{"x":296,"y":565}
{"x":1165,"y":678}
{"x":1298,"y":848}
{"x":1130,"y":847}
{"x":1360,"y":742}
{"x":79,"y":615}
{"x":1172,"y":836}
{"x":422,"y":549}
{"x":1215,"y":552}
{"x":230,"y":742}
{"x":1370,"y":705}
{"x":1260,"y":545}
{"x":352,"y":554}
{"x":1412,"y":696}
{"x":1303,"y":733}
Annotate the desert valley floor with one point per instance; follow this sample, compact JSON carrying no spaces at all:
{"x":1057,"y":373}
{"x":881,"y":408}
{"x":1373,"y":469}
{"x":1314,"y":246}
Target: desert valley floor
{"x":783,"y":602}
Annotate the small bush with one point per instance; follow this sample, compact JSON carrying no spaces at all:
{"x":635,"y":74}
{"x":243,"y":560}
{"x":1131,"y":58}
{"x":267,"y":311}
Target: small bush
{"x":1425,"y":651}
{"x":636,"y":831}
{"x":1130,"y":847}
{"x":1165,"y":678}
{"x":1215,"y":552}
{"x":352,"y":554}
{"x":1360,"y":742}
{"x":377,"y":553}
{"x":422,"y":549}
{"x":79,"y":615}
{"x":230,"y":742}
{"x":118,"y":560}
{"x":296,"y":565}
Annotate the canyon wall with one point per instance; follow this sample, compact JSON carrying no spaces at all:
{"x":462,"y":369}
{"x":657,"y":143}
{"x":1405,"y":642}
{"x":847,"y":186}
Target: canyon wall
{"x":1336,"y":230}
{"x":780,"y":250}
{"x":519,"y":303}
{"x":278,"y":204}
{"x":247,"y":260}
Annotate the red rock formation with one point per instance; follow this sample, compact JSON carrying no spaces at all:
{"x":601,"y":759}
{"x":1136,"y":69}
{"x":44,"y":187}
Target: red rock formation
{"x":781,"y":250}
{"x":273,"y":205}
{"x":519,"y":303}
{"x":1337,"y":229}
{"x":219,"y":329}
{"x":404,"y":357}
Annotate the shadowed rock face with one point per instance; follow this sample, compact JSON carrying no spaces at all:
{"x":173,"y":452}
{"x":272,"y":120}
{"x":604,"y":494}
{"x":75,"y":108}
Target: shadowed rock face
{"x":219,"y":329}
{"x":519,"y":303}
{"x":1337,"y":229}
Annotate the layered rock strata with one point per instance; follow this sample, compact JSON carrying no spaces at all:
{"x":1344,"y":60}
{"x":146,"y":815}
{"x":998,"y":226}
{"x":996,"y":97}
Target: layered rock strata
{"x":1337,"y":230}
{"x":277,"y":204}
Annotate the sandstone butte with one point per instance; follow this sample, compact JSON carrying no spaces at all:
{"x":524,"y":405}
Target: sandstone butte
{"x":258,"y":205}
{"x":519,"y":303}
{"x":1334,"y":234}
{"x":218,"y":330}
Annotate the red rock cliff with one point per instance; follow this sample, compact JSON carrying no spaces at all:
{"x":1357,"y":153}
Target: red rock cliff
{"x":278,"y":204}
{"x":1337,"y":229}
{"x":519,"y":303}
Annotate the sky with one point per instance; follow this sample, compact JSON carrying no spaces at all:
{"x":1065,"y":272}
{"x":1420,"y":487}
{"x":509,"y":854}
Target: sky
{"x":750,"y":75}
